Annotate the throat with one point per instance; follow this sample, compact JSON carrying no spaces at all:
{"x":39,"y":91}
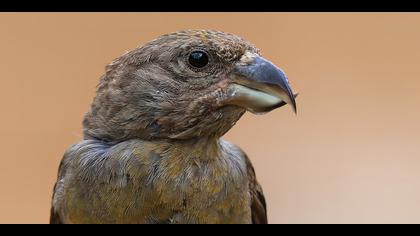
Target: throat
{"x":203,"y":148}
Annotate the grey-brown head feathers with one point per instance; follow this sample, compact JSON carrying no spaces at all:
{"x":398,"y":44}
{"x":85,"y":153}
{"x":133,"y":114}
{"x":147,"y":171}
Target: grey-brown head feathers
{"x":151,"y":92}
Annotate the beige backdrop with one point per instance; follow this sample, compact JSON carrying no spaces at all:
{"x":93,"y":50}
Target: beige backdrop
{"x":352,"y":154}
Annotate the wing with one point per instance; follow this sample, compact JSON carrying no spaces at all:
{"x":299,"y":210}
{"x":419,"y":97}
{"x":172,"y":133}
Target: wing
{"x":54,"y":216}
{"x":258,"y":205}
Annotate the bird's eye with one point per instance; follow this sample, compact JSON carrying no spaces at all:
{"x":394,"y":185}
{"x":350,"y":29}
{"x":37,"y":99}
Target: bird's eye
{"x":198,"y":59}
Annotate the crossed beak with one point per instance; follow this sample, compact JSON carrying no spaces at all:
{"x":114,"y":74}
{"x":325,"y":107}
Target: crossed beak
{"x":259,"y":86}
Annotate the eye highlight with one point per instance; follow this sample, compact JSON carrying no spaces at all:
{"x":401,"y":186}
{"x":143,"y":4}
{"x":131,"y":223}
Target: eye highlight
{"x":198,"y":59}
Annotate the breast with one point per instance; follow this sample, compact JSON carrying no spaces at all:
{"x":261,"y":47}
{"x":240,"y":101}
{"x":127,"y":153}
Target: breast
{"x":139,"y":182}
{"x":212,"y":189}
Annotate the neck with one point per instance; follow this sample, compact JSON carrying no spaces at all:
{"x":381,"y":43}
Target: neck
{"x":203,"y":147}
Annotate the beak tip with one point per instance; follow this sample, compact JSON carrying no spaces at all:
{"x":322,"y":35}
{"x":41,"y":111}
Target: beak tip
{"x":294,"y":106}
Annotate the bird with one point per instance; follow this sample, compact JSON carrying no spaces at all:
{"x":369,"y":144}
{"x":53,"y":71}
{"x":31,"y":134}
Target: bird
{"x":153,"y":150}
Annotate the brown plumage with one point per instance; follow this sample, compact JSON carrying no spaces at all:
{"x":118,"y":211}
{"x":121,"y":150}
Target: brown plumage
{"x":152,"y":151}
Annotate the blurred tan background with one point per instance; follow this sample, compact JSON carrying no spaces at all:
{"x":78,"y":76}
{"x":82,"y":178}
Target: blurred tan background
{"x":352,"y":154}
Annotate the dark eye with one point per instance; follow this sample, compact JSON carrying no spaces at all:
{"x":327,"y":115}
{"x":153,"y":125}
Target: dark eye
{"x":198,"y":59}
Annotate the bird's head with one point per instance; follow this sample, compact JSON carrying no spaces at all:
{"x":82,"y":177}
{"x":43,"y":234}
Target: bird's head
{"x":185,"y":85}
